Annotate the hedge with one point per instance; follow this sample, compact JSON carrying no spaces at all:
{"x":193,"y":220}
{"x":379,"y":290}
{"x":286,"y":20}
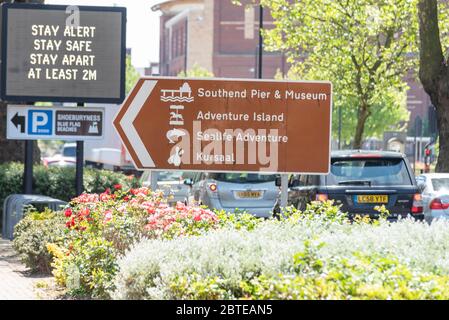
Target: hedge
{"x":58,"y":183}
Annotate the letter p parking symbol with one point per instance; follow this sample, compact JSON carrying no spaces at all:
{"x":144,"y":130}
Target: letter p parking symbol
{"x":40,"y":122}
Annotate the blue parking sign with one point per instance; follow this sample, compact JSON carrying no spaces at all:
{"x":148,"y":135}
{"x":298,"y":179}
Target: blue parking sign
{"x":40,"y":122}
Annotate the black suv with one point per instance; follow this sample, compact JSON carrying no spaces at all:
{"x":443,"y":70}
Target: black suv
{"x":359,"y":180}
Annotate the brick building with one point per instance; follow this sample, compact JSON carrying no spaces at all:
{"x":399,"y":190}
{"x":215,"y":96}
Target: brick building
{"x":223,"y":38}
{"x":216,"y":35}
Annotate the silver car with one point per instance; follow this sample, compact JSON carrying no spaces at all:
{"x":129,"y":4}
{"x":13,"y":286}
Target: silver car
{"x":170,"y":182}
{"x":235,"y":192}
{"x":435,"y":195}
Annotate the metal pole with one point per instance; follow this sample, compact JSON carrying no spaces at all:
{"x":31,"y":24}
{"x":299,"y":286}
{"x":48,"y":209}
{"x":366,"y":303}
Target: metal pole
{"x":260,"y":56}
{"x":154,"y":178}
{"x":79,"y":164}
{"x":284,"y":177}
{"x":339,"y":128}
{"x":414,"y":151}
{"x":256,"y":63}
{"x":28,"y":168}
{"x":284,"y":190}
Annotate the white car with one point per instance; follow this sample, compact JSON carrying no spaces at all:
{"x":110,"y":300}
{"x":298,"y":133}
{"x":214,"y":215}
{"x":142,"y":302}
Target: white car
{"x":435,"y":195}
{"x":67,"y":157}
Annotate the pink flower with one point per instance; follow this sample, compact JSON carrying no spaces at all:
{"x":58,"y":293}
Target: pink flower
{"x":108,"y":216}
{"x":105,"y":196}
{"x":140,"y":191}
{"x":197,"y":218}
{"x":86,"y":198}
{"x":84,"y":212}
{"x":117,"y":186}
{"x":180,"y":206}
{"x":163,"y":206}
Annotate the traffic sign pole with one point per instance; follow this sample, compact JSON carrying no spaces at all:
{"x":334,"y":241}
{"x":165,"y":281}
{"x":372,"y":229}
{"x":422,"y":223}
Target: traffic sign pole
{"x":284,"y":177}
{"x":28,"y":169}
{"x":79,"y":164}
{"x":284,"y":190}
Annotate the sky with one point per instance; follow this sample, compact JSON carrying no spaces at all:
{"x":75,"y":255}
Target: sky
{"x":142,"y":29}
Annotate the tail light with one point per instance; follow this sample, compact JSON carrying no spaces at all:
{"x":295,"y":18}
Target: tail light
{"x":437,"y":204}
{"x":417,"y":206}
{"x":321,"y":197}
{"x":212,"y":187}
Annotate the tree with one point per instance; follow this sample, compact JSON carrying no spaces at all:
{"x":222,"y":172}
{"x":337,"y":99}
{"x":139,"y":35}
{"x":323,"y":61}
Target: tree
{"x":433,"y":69}
{"x":196,"y":72}
{"x":132,"y":76}
{"x":13,"y":150}
{"x":361,"y":46}
{"x":390,"y":113}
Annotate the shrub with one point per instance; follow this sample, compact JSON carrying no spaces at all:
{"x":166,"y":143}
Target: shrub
{"x":32,"y":234}
{"x":357,"y":277}
{"x":304,"y":256}
{"x":149,"y":268}
{"x":101,"y":227}
{"x":58,"y":182}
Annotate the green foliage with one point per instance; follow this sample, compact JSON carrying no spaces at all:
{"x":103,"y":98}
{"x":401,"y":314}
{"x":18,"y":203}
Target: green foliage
{"x":32,"y":234}
{"x":326,"y":211}
{"x":195,"y":287}
{"x":58,"y":182}
{"x":237,"y":221}
{"x":373,"y":277}
{"x":89,"y":272}
{"x":361,"y":46}
{"x":131,"y":75}
{"x":196,"y":72}
{"x":101,"y":227}
{"x":192,"y":253}
{"x":359,"y":277}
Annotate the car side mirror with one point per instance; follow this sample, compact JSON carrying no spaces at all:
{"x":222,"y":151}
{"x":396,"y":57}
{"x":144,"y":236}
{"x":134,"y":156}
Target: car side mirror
{"x":188,"y":182}
{"x":277,"y":182}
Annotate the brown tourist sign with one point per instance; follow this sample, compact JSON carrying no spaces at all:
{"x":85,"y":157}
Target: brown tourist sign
{"x":228,"y":125}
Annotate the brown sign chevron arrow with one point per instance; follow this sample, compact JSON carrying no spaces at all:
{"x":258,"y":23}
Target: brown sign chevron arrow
{"x":228,"y":125}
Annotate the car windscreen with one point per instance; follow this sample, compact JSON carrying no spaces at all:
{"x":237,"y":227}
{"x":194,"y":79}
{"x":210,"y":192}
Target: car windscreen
{"x":242,"y":177}
{"x":440,"y":184}
{"x":369,"y":172}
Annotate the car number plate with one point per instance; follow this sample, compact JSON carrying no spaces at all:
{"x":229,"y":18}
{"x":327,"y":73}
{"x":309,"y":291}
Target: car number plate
{"x":372,"y":199}
{"x":248,"y":194}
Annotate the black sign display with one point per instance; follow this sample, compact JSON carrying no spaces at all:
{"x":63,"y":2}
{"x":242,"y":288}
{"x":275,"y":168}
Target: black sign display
{"x":59,"y":53}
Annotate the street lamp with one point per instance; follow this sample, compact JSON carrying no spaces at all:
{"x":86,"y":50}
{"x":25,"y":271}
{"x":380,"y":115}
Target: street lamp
{"x":260,"y":55}
{"x":339,"y":127}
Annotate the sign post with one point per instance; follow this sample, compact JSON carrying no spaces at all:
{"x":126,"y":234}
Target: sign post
{"x":59,"y":53}
{"x":223,"y":125}
{"x":79,"y":163}
{"x":28,"y":168}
